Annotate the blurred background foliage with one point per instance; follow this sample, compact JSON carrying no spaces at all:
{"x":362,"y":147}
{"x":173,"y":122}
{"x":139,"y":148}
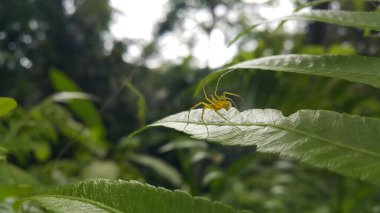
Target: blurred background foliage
{"x":48,"y":47}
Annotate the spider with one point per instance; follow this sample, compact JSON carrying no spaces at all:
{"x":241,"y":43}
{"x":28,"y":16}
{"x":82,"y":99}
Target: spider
{"x":215,"y":102}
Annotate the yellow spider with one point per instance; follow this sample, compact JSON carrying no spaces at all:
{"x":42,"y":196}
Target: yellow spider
{"x":215,"y":102}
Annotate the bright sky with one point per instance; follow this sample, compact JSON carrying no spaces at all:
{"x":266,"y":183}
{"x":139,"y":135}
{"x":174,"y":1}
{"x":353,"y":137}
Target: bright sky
{"x":137,"y":18}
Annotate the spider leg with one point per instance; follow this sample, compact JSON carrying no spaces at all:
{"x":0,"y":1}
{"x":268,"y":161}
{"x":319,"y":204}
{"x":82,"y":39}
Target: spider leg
{"x":208,"y":106}
{"x":228,"y":121}
{"x":220,"y":77}
{"x":218,"y":97}
{"x":232,"y":101}
{"x":195,"y":106}
{"x":214,"y":102}
{"x":199,"y":104}
{"x":225,"y":94}
{"x":205,"y":94}
{"x":203,"y":112}
{"x":232,"y":94}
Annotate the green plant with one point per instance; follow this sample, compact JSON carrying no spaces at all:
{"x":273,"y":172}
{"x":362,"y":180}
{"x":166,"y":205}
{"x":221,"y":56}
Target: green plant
{"x":342,"y":143}
{"x":6,"y":105}
{"x":339,"y":142}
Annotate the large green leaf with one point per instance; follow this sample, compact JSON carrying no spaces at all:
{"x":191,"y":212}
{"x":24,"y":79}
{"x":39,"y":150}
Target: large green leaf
{"x":352,"y":68}
{"x":349,"y":67}
{"x":342,"y":143}
{"x":6,"y":105}
{"x":359,"y":19}
{"x":123,"y":196}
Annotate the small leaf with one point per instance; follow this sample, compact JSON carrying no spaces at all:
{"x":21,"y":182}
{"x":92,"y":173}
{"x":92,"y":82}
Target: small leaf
{"x":159,"y":166}
{"x":342,"y":143}
{"x":3,"y":153}
{"x":6,"y":105}
{"x":123,"y":196}
{"x":141,"y":103}
{"x":182,"y":144}
{"x":101,"y":169}
{"x":67,"y":96}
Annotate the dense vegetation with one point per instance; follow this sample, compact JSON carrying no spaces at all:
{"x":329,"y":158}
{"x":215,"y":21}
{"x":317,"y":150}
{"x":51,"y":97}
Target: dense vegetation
{"x":305,"y":137}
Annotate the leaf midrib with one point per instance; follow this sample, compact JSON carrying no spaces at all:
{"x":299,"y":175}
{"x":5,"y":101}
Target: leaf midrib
{"x":297,"y":131}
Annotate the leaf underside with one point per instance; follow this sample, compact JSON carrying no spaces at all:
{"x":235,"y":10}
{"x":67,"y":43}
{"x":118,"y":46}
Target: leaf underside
{"x":352,"y":68}
{"x":359,"y":19}
{"x":342,"y":143}
{"x":101,"y":195}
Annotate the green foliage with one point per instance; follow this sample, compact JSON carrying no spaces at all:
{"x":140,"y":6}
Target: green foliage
{"x":6,"y":105}
{"x":31,"y":132}
{"x":141,"y":103}
{"x":16,"y":182}
{"x":342,"y":143}
{"x":82,"y":108}
{"x":61,"y":138}
{"x":122,"y":196}
{"x":160,"y":167}
{"x":3,"y":153}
